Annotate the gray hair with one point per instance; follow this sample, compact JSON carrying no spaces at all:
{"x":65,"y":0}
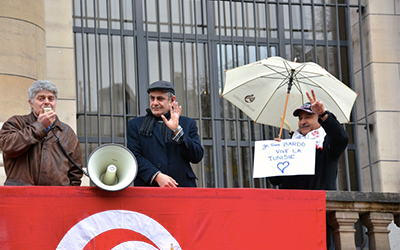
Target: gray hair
{"x":170,"y":94}
{"x":41,"y":85}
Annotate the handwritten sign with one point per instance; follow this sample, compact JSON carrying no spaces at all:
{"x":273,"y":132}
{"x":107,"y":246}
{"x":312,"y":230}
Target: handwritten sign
{"x":288,"y":157}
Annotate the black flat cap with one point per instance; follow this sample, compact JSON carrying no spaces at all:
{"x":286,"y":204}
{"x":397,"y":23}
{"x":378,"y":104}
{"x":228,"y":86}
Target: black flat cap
{"x":161,"y":85}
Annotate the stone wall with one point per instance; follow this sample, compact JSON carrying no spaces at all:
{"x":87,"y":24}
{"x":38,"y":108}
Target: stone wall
{"x":381,"y":72}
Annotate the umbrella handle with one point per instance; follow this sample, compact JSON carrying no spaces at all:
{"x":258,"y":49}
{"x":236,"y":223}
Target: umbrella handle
{"x":284,"y":113}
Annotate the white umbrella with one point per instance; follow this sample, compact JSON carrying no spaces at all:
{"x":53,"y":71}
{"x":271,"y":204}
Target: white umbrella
{"x":260,"y":89}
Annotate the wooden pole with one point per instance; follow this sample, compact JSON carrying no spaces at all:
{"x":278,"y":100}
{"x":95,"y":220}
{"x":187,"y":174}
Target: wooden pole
{"x":284,"y":113}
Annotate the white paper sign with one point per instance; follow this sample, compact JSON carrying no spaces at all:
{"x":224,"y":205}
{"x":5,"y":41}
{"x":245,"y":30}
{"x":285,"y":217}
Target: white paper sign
{"x":288,"y":157}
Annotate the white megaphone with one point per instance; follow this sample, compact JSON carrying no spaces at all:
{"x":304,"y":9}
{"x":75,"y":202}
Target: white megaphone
{"x":112,"y":167}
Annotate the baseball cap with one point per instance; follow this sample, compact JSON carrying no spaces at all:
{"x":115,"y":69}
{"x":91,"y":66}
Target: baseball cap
{"x":161,"y":85}
{"x":305,"y":107}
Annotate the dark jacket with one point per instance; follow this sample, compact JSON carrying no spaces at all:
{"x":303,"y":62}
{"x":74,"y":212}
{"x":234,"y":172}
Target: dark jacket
{"x":172,"y":158}
{"x":326,"y":161}
{"x":32,"y":156}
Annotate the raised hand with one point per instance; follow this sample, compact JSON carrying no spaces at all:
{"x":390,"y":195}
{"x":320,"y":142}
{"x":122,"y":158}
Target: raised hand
{"x":316,"y":106}
{"x":175,"y":112}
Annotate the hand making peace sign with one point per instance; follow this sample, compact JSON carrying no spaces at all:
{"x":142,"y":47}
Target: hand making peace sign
{"x":316,"y":106}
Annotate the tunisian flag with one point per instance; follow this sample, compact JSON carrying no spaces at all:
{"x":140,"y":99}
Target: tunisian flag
{"x":161,"y":218}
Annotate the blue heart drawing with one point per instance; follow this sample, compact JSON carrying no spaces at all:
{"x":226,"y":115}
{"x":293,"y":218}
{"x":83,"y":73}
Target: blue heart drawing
{"x":284,"y":166}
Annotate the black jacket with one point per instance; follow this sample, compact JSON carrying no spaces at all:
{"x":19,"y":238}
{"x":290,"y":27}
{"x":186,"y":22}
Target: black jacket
{"x":326,"y":161}
{"x":173,"y":159}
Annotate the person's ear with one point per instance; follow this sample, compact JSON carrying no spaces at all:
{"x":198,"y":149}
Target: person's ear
{"x":173,"y":98}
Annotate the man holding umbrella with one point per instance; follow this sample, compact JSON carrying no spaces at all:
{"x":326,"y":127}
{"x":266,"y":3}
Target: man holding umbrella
{"x":316,"y":123}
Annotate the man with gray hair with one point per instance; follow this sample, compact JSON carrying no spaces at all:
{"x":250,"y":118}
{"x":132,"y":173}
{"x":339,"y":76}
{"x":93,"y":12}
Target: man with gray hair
{"x":164,"y":142}
{"x":29,"y":142}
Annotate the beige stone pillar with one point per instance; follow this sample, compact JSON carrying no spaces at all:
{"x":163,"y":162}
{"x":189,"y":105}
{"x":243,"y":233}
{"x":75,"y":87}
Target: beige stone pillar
{"x":343,"y":229}
{"x":22,"y":53}
{"x":60,"y":57}
{"x":378,"y":233}
{"x":381,"y":71}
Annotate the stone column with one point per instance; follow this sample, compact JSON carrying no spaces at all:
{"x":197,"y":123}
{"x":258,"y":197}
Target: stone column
{"x":60,"y":57}
{"x":378,"y":233}
{"x":343,"y":229}
{"x":381,"y":72}
{"x":22,"y":53}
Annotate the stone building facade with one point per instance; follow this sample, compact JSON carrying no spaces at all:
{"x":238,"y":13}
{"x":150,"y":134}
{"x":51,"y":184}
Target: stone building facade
{"x":37,"y":43}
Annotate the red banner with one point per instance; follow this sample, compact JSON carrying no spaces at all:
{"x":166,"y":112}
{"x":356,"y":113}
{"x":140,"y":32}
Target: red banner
{"x":161,"y":218}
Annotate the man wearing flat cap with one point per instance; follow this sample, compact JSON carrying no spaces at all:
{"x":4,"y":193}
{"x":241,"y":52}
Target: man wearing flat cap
{"x":164,"y":142}
{"x":321,"y":126}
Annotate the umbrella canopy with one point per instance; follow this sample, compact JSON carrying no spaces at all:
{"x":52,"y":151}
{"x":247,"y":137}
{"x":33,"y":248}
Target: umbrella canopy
{"x":260,"y":89}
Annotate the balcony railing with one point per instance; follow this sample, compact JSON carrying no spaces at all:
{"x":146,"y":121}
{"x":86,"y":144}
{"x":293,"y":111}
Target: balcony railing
{"x":374,"y":210}
{"x":344,"y":209}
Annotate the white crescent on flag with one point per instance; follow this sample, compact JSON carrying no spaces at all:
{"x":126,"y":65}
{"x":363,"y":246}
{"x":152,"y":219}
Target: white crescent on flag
{"x":87,"y":229}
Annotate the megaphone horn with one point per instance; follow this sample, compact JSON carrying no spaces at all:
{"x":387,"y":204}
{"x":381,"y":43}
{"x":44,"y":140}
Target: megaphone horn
{"x":112,"y":167}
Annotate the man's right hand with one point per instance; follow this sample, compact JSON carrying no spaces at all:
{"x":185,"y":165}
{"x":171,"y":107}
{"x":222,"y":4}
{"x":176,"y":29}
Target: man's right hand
{"x":164,"y":180}
{"x":46,"y":119}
